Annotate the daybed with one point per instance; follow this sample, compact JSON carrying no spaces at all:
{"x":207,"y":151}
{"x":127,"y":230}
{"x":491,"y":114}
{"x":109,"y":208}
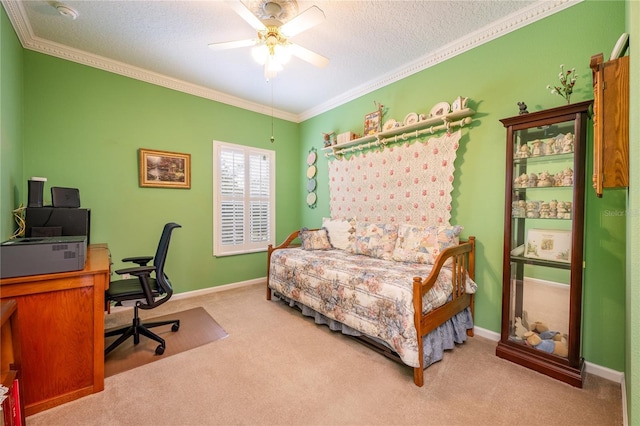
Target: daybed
{"x":407,"y":291}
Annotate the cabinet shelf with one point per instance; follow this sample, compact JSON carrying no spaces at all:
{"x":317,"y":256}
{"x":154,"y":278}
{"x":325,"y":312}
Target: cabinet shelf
{"x":430,"y":125}
{"x":540,"y":262}
{"x":553,"y":158}
{"x":544,"y":188}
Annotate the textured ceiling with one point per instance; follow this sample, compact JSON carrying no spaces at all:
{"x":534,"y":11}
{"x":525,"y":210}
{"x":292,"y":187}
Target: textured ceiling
{"x":369,"y":44}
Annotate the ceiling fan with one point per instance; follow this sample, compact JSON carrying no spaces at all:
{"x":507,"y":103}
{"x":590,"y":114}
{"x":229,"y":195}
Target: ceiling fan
{"x":272,"y":47}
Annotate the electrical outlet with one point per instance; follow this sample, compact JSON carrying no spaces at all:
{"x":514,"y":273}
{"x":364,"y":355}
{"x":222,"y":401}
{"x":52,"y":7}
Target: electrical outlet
{"x":126,"y":276}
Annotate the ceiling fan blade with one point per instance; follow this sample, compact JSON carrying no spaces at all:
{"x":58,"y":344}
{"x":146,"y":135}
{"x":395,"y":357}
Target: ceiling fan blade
{"x":232,"y":44}
{"x":305,"y":20}
{"x":308,"y":55}
{"x":247,"y":15}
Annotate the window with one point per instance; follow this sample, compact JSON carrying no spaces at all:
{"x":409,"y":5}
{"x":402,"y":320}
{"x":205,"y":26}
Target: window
{"x":243,"y":199}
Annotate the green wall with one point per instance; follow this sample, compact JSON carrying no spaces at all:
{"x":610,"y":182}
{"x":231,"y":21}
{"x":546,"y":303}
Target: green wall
{"x":495,"y":76}
{"x":632,"y":350}
{"x":83,"y":129}
{"x":11,"y":100}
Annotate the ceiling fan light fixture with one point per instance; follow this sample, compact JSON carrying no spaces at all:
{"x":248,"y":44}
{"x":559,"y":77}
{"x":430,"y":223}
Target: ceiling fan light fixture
{"x":282,"y":53}
{"x":260,"y":53}
{"x":272,"y":67}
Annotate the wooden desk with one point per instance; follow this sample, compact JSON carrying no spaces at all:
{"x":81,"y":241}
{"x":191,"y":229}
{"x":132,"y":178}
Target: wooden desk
{"x":61,"y":331}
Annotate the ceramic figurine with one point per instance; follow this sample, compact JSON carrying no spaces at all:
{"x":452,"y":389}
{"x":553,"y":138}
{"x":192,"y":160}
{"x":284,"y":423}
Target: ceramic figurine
{"x":327,"y":139}
{"x":522,"y":108}
{"x":545,"y":210}
{"x":523,"y":179}
{"x":537,"y":148}
{"x":567,"y":177}
{"x":567,"y":143}
{"x":544,"y":180}
{"x":549,"y":147}
{"x":557,"y":179}
{"x":533,"y":180}
{"x":523,"y":151}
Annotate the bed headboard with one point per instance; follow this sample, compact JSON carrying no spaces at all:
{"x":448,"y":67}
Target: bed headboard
{"x":403,"y":183}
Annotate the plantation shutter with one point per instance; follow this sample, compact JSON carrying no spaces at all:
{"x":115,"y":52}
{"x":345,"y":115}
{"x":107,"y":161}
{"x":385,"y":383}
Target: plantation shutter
{"x":232,"y":196}
{"x":243,"y":199}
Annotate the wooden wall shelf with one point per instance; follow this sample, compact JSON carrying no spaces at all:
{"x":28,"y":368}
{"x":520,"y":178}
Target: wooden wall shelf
{"x":430,"y":125}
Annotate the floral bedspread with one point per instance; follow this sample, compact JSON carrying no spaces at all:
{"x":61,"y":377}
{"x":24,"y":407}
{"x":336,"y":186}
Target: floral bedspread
{"x":371,"y":295}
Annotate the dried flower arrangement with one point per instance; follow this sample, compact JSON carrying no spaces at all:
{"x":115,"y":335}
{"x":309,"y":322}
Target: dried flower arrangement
{"x":567,"y":81}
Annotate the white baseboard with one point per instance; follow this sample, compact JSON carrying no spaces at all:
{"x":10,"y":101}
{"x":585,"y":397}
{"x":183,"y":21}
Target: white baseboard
{"x":216,"y":289}
{"x":595,"y":369}
{"x":177,"y":296}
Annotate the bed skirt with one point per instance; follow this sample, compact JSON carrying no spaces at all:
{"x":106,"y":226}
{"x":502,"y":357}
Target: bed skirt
{"x":445,"y":337}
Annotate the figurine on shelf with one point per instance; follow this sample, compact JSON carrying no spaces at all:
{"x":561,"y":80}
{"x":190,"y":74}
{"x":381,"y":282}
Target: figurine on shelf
{"x":537,"y":148}
{"x":567,"y":177}
{"x":523,"y":151}
{"x":523,"y":108}
{"x":327,"y":139}
{"x":545,"y":211}
{"x":544,"y":180}
{"x":567,"y":143}
{"x":533,"y":180}
{"x":521,"y":181}
{"x":553,"y":208}
{"x":564,"y":210}
{"x":549,"y":146}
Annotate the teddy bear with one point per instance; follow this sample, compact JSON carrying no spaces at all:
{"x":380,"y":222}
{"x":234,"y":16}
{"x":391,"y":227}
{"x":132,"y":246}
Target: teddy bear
{"x":556,"y":347}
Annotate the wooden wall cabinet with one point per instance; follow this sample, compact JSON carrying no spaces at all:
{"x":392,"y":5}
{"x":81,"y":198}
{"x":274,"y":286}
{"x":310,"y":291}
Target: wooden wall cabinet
{"x":543,"y":240}
{"x":610,"y":123}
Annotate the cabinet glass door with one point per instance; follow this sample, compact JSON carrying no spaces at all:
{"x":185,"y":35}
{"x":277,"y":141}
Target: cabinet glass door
{"x":542,"y":198}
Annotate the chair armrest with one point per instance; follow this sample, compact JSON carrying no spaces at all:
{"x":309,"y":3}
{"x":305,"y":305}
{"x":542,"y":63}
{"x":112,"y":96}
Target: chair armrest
{"x":140,"y":260}
{"x":137,"y":270}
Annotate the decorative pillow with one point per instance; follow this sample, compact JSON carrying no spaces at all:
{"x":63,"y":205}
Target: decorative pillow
{"x":375,"y":239}
{"x":419,"y":244}
{"x":314,"y":240}
{"x":340,"y":232}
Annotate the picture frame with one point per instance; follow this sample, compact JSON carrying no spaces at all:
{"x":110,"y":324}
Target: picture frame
{"x":372,"y":123}
{"x":164,"y":169}
{"x":548,"y":244}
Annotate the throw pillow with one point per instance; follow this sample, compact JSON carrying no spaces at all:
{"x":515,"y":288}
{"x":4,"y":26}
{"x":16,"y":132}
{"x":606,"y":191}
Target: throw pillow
{"x":314,"y":240}
{"x":340,"y":232}
{"x":419,"y":244}
{"x":375,"y":239}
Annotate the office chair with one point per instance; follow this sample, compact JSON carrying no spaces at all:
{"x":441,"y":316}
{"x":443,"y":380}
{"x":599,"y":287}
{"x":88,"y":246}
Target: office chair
{"x":148,"y":292}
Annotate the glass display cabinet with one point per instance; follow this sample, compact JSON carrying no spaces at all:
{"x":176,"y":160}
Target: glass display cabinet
{"x":543,"y":241}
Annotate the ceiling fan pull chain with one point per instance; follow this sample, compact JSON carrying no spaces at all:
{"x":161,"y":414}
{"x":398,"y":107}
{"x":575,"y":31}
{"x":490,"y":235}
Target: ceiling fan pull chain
{"x":272,"y":138}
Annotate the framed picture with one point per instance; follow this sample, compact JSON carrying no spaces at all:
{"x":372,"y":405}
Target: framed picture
{"x":372,"y":122}
{"x":164,"y":169}
{"x":549,"y":244}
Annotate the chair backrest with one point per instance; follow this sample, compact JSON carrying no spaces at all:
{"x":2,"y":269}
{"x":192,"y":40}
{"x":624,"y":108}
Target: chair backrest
{"x":161,"y":256}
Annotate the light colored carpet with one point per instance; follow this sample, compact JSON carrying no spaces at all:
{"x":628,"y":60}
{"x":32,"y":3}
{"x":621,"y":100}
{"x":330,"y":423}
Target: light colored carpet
{"x":197,"y":328}
{"x":279,"y":368}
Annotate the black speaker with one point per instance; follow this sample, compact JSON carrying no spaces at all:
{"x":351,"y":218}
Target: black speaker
{"x":36,"y":189}
{"x":58,"y":221}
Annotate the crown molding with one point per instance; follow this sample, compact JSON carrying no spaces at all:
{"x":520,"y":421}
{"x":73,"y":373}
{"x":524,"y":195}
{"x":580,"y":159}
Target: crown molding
{"x":543,"y":8}
{"x":535,"y":12}
{"x":18,"y":17}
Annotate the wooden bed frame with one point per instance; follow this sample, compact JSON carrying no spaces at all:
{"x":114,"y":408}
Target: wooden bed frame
{"x":462,"y":263}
